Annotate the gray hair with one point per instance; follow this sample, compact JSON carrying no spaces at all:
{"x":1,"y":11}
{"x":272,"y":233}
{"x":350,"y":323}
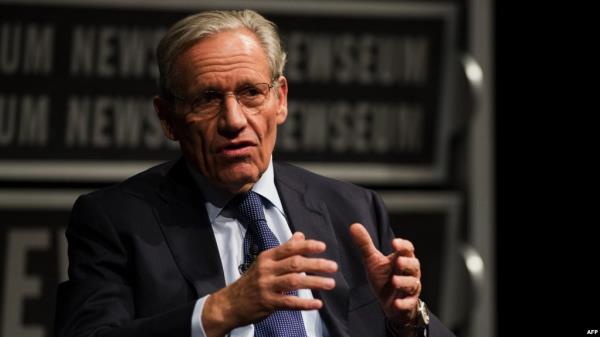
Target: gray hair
{"x":188,"y":31}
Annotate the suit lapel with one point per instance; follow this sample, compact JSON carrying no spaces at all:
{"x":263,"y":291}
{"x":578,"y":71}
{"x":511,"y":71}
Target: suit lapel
{"x":188,"y":232}
{"x":307,"y":213}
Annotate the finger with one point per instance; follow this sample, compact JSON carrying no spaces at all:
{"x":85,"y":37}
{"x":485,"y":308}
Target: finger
{"x":298,"y":264}
{"x":362,"y":240}
{"x":296,"y":247}
{"x":291,"y":302}
{"x":407,"y":285}
{"x":298,"y":236}
{"x":408,"y":266}
{"x":403,"y":247}
{"x":406,"y":305}
{"x":295,"y":281}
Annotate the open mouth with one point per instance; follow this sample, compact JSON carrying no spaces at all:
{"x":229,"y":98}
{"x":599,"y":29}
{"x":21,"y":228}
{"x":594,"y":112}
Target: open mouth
{"x":237,"y":148}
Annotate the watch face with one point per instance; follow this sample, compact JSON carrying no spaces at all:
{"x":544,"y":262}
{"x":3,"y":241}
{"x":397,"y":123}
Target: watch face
{"x":423,"y":314}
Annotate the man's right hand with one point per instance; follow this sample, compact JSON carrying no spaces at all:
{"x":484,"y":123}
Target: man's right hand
{"x":262,"y":289}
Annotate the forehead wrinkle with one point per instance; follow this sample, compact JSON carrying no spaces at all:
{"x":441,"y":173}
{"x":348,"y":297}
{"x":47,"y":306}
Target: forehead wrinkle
{"x":245,"y":67}
{"x":217,"y":58}
{"x":225,"y":58}
{"x":228,"y":67}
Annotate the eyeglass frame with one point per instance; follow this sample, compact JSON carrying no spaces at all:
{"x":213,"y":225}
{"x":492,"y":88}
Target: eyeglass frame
{"x":223,"y":94}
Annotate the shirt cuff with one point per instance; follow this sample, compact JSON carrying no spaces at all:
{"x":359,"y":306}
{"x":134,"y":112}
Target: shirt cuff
{"x":197,"y":328}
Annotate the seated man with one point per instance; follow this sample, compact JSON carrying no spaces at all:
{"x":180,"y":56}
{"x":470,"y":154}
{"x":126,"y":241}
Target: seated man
{"x":224,"y":241}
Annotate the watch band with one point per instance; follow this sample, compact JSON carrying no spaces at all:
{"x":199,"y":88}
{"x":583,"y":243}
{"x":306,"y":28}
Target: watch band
{"x":419,"y":329}
{"x":406,"y":330}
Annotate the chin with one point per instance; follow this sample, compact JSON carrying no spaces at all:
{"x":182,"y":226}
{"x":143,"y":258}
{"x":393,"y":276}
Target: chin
{"x":239,"y":174}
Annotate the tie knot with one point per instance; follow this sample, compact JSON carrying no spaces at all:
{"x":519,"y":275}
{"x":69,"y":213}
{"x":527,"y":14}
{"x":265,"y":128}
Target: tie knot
{"x":249,"y":206}
{"x":251,"y":214}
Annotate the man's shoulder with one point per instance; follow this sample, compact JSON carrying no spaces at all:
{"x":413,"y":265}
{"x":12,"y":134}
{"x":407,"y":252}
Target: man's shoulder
{"x":293,"y":175}
{"x":140,"y":185}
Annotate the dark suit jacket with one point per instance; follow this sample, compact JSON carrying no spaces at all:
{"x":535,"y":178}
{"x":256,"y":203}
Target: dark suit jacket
{"x":143,"y":251}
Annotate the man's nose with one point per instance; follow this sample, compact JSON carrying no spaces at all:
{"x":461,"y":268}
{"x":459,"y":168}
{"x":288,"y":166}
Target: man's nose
{"x":232,"y":118}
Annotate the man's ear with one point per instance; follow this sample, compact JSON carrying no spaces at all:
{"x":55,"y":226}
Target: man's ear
{"x":282,"y":92}
{"x":164,"y":112}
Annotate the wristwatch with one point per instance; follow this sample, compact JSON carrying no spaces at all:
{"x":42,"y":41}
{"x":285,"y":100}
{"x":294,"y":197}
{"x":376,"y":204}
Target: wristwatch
{"x":422,"y":317}
{"x":416,"y":329}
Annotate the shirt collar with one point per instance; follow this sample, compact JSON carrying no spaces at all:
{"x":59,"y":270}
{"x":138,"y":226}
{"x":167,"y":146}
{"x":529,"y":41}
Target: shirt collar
{"x":265,"y":187}
{"x":216,"y":199}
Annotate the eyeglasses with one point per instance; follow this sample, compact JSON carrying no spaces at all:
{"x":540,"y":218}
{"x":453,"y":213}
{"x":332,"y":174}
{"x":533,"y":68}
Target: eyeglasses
{"x":250,"y":97}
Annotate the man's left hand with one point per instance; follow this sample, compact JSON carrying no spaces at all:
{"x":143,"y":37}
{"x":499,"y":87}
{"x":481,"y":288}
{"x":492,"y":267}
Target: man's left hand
{"x":395,"y":278}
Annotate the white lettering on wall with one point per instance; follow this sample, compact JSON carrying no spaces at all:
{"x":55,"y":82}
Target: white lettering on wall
{"x":359,"y":128}
{"x":113,"y":121}
{"x":365,"y":59}
{"x":18,"y":284}
{"x":111,"y":51}
{"x":24,"y":120}
{"x":26,"y":48}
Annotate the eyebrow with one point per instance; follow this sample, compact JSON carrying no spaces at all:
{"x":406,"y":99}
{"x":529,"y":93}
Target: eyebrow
{"x":241,"y":84}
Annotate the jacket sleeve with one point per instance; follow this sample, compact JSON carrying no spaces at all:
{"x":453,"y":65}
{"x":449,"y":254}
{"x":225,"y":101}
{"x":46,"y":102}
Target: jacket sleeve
{"x":386,"y":235}
{"x":98,"y":298}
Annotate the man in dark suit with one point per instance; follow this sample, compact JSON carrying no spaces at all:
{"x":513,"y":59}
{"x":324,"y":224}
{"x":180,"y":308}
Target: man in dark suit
{"x":224,"y":241}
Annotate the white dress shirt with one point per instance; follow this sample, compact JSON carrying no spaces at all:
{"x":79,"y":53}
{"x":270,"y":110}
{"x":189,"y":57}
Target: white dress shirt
{"x":229,"y":234}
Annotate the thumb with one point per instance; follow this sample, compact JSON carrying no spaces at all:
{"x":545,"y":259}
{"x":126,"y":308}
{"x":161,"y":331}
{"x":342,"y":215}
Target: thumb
{"x":297,"y":236}
{"x":362,"y":240}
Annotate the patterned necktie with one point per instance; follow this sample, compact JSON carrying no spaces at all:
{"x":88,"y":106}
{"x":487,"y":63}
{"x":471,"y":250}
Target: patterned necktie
{"x":281,"y":323}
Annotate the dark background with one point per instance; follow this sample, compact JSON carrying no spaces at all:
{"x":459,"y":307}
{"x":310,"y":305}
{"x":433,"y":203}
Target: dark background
{"x":546,"y":176}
